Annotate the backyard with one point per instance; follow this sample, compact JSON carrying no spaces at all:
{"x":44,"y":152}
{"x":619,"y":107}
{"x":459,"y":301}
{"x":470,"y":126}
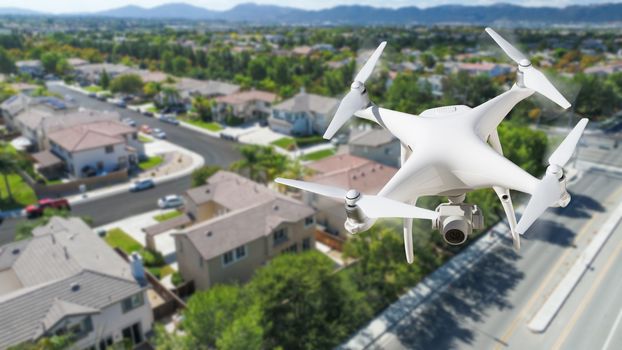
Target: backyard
{"x":153,"y":261}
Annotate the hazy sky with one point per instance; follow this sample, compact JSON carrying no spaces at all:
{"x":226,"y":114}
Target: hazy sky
{"x":57,"y":6}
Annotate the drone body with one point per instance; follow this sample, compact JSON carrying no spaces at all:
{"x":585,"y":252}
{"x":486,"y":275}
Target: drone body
{"x":449,"y":151}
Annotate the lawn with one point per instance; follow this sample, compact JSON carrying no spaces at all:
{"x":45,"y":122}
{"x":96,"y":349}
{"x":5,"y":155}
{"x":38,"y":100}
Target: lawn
{"x":150,"y":162}
{"x":93,"y":88}
{"x":23,"y":194}
{"x":152,"y":109}
{"x":286,"y":143}
{"x":144,"y":139}
{"x":318,"y":154}
{"x":211,"y":126}
{"x":117,"y":238}
{"x":167,"y":216}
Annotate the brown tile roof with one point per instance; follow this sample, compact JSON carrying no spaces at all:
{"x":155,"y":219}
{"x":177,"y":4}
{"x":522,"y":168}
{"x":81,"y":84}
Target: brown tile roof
{"x":243,"y":97}
{"x":46,"y":159}
{"x":92,"y":135}
{"x":336,"y":162}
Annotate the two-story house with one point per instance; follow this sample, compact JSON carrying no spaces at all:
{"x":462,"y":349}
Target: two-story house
{"x":241,"y":225}
{"x":34,"y":68}
{"x":247,"y":105}
{"x":375,"y":144}
{"x":95,"y":148}
{"x":303,"y":114}
{"x":65,"y":280}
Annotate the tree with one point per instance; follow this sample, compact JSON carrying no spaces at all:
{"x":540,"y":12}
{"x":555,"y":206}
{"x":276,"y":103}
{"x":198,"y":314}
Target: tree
{"x":597,"y":97}
{"x":428,"y":60}
{"x":56,"y":342}
{"x":7,"y":65}
{"x":462,"y":88}
{"x":244,"y":333}
{"x":180,"y":65}
{"x":7,"y":166}
{"x":257,"y":69}
{"x":127,"y":84}
{"x":260,"y":163}
{"x":406,"y":94}
{"x":305,"y":305}
{"x":200,"y":175}
{"x":104,"y":79}
{"x":203,"y":106}
{"x":152,"y":88}
{"x":49,"y":61}
{"x":167,"y":341}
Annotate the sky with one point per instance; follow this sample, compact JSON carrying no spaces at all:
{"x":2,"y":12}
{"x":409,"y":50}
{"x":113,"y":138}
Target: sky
{"x":67,"y":6}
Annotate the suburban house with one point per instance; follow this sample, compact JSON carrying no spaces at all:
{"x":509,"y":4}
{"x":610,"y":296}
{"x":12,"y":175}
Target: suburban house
{"x":34,"y":68}
{"x":345,"y":171}
{"x":188,"y":87}
{"x":435,"y":82}
{"x":247,"y":105}
{"x":95,"y":148}
{"x":375,"y":144}
{"x":241,"y":226}
{"x":487,"y":68}
{"x":90,"y":73}
{"x":67,"y":280}
{"x":303,"y":114}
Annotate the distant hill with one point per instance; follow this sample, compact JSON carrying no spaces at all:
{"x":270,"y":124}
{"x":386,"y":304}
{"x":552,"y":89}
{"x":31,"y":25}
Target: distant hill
{"x":365,"y":15}
{"x":17,"y":11}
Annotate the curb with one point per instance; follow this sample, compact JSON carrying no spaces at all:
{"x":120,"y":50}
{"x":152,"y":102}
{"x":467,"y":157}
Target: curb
{"x":555,"y":301}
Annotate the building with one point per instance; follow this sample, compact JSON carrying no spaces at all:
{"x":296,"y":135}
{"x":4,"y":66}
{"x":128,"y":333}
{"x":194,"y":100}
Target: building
{"x":241,"y":226}
{"x":189,"y":87}
{"x":34,"y":68}
{"x":91,"y":73}
{"x":303,"y":114}
{"x":487,"y":68}
{"x":344,"y":171}
{"x":604,"y":70}
{"x":67,"y":280}
{"x":247,"y":105}
{"x":375,"y":144}
{"x":96,"y":148}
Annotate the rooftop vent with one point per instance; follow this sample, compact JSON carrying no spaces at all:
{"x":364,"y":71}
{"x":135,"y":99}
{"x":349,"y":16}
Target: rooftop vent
{"x":276,"y":207}
{"x":75,"y":287}
{"x":15,"y":251}
{"x":208,"y":233}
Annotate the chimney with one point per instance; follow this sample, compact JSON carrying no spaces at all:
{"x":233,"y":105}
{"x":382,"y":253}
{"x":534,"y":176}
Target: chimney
{"x":138,"y":270}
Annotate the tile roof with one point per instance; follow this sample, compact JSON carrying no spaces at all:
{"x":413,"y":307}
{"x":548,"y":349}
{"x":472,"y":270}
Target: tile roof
{"x":45,"y":159}
{"x":92,"y":135}
{"x":243,"y":97}
{"x":205,"y":87}
{"x":305,"y":102}
{"x":65,"y":269}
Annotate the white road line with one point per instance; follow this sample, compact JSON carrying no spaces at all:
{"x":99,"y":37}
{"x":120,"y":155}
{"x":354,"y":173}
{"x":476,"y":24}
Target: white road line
{"x":612,"y":331}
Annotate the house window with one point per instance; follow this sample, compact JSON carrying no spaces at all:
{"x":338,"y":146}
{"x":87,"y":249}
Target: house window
{"x":81,"y":329}
{"x":234,"y":255}
{"x":280,"y":236}
{"x":109,"y":149}
{"x":240,"y":252}
{"x":309,"y":221}
{"x":227,"y":258}
{"x":131,"y":303}
{"x":306,"y":244}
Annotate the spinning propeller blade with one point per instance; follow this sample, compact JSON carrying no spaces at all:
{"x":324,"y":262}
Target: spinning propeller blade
{"x":549,"y":190}
{"x":372,"y":206}
{"x":532,"y":78}
{"x":356,"y":99}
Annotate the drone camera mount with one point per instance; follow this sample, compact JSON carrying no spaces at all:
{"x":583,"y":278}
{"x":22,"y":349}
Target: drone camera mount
{"x":456,"y":221}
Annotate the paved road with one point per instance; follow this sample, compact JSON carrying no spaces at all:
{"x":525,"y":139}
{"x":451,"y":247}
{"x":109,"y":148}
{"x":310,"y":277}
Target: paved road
{"x":489,"y":306}
{"x":214,"y":151}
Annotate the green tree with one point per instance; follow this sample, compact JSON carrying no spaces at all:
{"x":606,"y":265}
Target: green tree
{"x":127,"y":84}
{"x":462,"y":88}
{"x":200,"y":175}
{"x":428,"y":60}
{"x":7,"y":65}
{"x":104,"y":79}
{"x":7,"y":166}
{"x":597,"y":97}
{"x":257,"y":69}
{"x":49,"y":61}
{"x":167,"y":341}
{"x":152,"y":88}
{"x":180,"y":65}
{"x":244,"y":333}
{"x":55,"y":342}
{"x":406,"y":94}
{"x":306,"y":305}
{"x":203,"y":106}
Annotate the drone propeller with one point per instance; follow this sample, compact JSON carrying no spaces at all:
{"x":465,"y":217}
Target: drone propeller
{"x":357,"y":98}
{"x":373,"y":206}
{"x":532,"y":78}
{"x":549,"y":191}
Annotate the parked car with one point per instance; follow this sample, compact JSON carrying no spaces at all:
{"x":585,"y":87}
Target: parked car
{"x":159,"y":133}
{"x":145,"y":129}
{"x":170,"y":119}
{"x":36,"y":210}
{"x":170,"y":201}
{"x":148,"y":114}
{"x":128,"y":121}
{"x":142,"y":185}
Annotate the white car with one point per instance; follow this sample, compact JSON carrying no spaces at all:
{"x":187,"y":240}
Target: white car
{"x":170,"y":201}
{"x":159,"y":133}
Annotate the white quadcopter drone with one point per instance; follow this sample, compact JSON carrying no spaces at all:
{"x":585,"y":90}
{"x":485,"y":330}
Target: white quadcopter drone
{"x":449,"y":151}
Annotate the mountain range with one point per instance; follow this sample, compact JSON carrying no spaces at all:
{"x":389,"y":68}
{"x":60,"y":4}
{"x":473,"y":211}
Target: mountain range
{"x":364,"y":15}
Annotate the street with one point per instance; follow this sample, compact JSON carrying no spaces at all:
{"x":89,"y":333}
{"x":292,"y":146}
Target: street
{"x":490,"y":305}
{"x":215,"y":152}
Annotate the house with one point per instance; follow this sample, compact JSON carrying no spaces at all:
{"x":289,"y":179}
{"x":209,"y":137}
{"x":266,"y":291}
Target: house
{"x":435,"y":81}
{"x":75,"y":62}
{"x":303,"y":114}
{"x":375,"y":144}
{"x":487,"y":68}
{"x":241,"y":226}
{"x":189,"y":87}
{"x":91,"y":73}
{"x":148,"y":76}
{"x":97,"y":147}
{"x":247,"y":105}
{"x":67,"y":280}
{"x":344,"y":171}
{"x":34,"y":68}
{"x":604,"y":70}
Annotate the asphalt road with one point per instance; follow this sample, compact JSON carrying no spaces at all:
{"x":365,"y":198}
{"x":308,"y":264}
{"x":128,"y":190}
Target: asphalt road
{"x":490,"y":305}
{"x":215,"y":152}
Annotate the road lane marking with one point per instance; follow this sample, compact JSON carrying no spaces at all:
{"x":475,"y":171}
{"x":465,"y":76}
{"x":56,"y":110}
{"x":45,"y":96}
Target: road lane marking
{"x":612,"y":331}
{"x":587,"y":299}
{"x":516,"y":321}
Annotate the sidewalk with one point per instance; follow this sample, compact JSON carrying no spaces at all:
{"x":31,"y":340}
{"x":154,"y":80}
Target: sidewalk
{"x":157,"y":147}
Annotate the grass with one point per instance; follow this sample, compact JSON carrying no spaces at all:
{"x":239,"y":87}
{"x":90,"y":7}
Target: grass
{"x":286,"y":143}
{"x":211,"y":126}
{"x":161,"y":272}
{"x":23,"y":194}
{"x":144,"y":139}
{"x":167,"y":216}
{"x":150,"y":163}
{"x":93,"y":88}
{"x":318,"y":154}
{"x":118,"y":238}
{"x":152,"y":109}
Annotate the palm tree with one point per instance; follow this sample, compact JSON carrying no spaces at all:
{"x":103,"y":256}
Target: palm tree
{"x":7,"y":166}
{"x":249,"y":161}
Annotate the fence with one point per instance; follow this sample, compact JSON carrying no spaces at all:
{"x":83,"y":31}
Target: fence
{"x":333,"y":242}
{"x":73,"y":187}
